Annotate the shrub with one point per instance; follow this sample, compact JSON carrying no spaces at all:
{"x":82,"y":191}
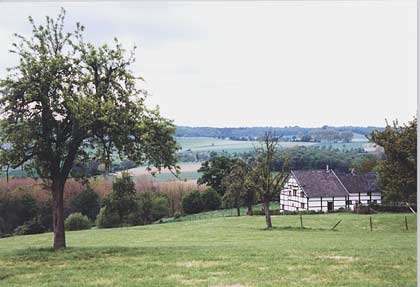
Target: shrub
{"x":151,"y":206}
{"x":45,"y":214}
{"x":87,"y":203}
{"x":33,"y":226}
{"x":29,"y":207}
{"x":177,"y":215}
{"x":107,"y":219}
{"x":210,"y":199}
{"x":192,"y":202}
{"x":364,"y":209}
{"x":77,"y":221}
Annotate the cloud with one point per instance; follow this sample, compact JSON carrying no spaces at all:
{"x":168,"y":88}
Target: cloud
{"x":261,"y":63}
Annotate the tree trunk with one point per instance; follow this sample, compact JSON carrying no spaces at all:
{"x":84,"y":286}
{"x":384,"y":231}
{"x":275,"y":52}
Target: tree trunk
{"x":58,"y":214}
{"x":267,"y":211}
{"x":238,"y":209}
{"x":250,"y":212}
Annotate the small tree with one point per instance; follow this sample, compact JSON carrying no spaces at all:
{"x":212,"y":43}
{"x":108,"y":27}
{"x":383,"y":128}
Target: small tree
{"x":122,"y":199}
{"x":240,"y":188}
{"x":213,"y":171}
{"x":87,"y":203}
{"x":266,"y":181}
{"x":67,"y":96}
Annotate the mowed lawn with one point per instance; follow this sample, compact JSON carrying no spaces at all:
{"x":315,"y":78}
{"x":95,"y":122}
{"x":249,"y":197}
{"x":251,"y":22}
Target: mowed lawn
{"x":230,"y":251}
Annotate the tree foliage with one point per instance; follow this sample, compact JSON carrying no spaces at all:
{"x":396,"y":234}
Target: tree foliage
{"x":214,"y":170}
{"x":398,"y":172}
{"x":192,"y":202}
{"x":67,"y":96}
{"x":240,"y":187}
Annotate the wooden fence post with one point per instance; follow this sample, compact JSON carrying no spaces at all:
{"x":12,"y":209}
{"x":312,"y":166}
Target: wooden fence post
{"x":301,"y":221}
{"x":406,"y":223}
{"x":370,"y":219}
{"x":336,"y":224}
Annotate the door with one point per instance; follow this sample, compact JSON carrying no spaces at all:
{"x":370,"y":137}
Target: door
{"x":330,"y":206}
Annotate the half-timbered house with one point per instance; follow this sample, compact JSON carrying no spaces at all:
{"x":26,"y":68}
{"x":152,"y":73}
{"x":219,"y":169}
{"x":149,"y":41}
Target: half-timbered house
{"x":324,"y":190}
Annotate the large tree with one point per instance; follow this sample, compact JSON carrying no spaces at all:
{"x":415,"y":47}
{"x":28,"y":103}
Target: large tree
{"x":67,"y":96}
{"x":398,"y":172}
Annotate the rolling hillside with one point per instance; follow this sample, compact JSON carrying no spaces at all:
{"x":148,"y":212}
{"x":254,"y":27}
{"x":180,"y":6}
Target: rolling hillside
{"x":233,"y":251}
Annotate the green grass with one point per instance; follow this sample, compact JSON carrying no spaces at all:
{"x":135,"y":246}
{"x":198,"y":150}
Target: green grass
{"x":213,"y":144}
{"x":218,"y":213}
{"x":233,"y":251}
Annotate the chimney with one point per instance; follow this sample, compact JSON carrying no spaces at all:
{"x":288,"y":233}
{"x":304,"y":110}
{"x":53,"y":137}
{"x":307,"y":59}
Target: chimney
{"x":352,"y":171}
{"x":328,"y":168}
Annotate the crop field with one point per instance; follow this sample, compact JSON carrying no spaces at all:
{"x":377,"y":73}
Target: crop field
{"x":230,"y":146}
{"x":230,"y":251}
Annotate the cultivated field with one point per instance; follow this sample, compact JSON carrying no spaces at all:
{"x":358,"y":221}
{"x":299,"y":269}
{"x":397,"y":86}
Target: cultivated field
{"x":230,"y":146}
{"x":232,"y":251}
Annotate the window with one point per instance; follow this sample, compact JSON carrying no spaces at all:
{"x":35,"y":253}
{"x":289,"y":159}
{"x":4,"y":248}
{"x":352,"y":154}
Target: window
{"x":282,"y":207}
{"x":348,"y":202}
{"x":290,"y":193}
{"x":302,"y":205}
{"x":294,"y":192}
{"x":302,"y":194}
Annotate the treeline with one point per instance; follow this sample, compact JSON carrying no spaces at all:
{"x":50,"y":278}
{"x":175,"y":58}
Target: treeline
{"x":252,"y":133}
{"x":319,"y":157}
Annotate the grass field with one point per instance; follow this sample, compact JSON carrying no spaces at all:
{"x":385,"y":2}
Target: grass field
{"x":233,"y":251}
{"x":230,"y":146}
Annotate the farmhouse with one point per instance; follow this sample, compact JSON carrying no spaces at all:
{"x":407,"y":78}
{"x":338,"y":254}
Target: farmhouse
{"x":325,"y":190}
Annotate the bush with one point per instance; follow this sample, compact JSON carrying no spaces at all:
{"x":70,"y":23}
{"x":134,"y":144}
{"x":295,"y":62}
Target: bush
{"x":364,"y":209}
{"x":192,"y":202}
{"x":210,"y":199}
{"x":177,"y":215}
{"x":87,"y":203}
{"x":33,"y":226}
{"x":29,"y":207}
{"x":151,"y":206}
{"x":107,"y":219}
{"x":77,"y":221}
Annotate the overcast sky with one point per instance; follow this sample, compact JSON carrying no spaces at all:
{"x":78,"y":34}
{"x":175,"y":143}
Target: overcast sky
{"x":306,"y":63}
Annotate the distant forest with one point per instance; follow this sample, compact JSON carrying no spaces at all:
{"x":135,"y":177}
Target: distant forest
{"x":295,"y":133}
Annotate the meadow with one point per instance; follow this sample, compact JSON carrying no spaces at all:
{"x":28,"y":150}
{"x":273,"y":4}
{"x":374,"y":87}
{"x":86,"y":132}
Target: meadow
{"x":229,"y":251}
{"x":229,"y":146}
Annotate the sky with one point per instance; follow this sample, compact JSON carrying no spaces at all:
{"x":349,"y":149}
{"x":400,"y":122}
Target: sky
{"x":265,"y":63}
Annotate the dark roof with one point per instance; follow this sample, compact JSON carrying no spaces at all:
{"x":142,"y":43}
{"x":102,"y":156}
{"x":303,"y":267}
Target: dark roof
{"x":359,"y":182}
{"x":317,"y":183}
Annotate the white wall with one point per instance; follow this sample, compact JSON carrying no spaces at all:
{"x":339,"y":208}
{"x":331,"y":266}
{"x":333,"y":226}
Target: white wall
{"x":291,"y":198}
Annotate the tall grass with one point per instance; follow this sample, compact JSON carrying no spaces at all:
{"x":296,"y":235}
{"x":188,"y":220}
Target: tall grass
{"x":174,"y":190}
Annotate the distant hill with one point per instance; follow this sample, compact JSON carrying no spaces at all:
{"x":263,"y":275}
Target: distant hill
{"x":252,"y":133}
